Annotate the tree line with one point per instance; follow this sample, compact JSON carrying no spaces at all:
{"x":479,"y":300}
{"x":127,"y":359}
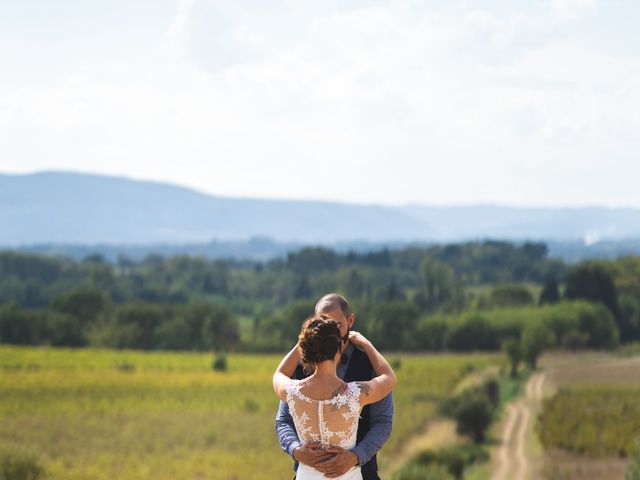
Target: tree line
{"x":456,"y":297}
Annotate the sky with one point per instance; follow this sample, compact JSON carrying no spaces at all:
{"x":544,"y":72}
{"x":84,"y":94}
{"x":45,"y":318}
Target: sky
{"x":443,"y":102}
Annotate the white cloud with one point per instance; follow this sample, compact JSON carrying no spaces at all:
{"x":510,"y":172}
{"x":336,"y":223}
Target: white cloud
{"x":175,"y":34}
{"x":572,"y":8}
{"x":389,"y":102}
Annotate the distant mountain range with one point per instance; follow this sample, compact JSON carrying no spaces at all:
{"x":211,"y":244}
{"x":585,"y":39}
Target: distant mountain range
{"x":72,"y":208}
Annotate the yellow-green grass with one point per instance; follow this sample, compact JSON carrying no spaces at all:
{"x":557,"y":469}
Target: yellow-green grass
{"x":588,"y":428}
{"x":423,"y":380}
{"x":104,"y":414}
{"x":593,"y":421}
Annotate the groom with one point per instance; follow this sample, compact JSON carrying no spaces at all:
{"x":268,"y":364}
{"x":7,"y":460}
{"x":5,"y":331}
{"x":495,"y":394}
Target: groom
{"x":375,"y":422}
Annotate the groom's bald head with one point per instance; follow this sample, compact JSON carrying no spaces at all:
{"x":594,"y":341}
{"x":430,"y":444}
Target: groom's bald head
{"x":331,"y":302}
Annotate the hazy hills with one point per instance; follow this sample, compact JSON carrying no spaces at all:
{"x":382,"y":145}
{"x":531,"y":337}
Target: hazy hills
{"x":60,"y":207}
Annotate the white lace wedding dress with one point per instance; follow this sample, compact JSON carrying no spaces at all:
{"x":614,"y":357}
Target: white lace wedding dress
{"x":332,"y":422}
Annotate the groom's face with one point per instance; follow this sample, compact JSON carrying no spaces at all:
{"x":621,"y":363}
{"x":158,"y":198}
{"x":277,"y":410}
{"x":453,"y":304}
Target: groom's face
{"x":344,"y":323}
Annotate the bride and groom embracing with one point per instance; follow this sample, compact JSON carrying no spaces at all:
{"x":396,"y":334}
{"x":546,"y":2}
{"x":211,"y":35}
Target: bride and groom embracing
{"x":336,"y":407}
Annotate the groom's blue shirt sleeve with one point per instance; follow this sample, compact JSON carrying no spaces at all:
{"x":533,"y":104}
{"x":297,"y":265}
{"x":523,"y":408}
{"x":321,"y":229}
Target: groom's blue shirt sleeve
{"x":286,"y":430}
{"x":380,"y":423}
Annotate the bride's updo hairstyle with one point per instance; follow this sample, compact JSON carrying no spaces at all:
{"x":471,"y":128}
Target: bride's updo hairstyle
{"x":319,"y":340}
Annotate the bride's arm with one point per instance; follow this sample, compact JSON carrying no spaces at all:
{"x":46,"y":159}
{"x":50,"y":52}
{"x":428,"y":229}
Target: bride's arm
{"x":378,"y":387}
{"x":284,"y":372}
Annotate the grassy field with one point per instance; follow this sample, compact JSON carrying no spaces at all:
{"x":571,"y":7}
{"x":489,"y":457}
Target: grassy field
{"x":592,"y":420}
{"x":105,"y":414}
{"x":588,"y":428}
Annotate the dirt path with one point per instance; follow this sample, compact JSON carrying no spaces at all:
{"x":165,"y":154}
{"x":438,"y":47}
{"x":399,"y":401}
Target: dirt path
{"x":512,"y":459}
{"x":438,"y":432}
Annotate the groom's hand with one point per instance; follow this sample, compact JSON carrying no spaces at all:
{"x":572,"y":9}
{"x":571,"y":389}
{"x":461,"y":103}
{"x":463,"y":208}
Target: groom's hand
{"x":340,"y":462}
{"x":310,"y":454}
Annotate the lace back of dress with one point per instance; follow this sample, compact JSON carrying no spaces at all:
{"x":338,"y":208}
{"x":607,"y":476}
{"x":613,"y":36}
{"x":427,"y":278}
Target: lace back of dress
{"x":332,"y":422}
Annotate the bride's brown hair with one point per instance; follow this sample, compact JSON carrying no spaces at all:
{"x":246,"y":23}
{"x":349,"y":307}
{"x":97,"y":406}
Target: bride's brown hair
{"x":319,"y":340}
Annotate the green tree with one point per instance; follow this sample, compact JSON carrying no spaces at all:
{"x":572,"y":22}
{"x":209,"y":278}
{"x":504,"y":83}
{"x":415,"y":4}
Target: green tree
{"x":312,"y":259}
{"x":394,"y":324}
{"x":591,"y":281}
{"x":288,"y":321}
{"x":303,"y":288}
{"x":63,"y":330}
{"x":574,"y":340}
{"x":431,"y":333}
{"x":16,"y":326}
{"x":511,"y":347}
{"x":472,"y":332}
{"x":599,"y":325}
{"x":136,"y":323}
{"x":220,"y":328}
{"x":391,"y":293}
{"x":550,"y":291}
{"x":85,"y":304}
{"x":438,"y":284}
{"x":355,"y":286}
{"x":173,"y":334}
{"x":508,"y":295}
{"x":535,"y":339}
{"x":629,"y":323}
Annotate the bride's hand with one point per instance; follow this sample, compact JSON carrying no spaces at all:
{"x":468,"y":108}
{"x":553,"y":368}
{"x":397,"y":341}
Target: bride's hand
{"x":357,"y":339}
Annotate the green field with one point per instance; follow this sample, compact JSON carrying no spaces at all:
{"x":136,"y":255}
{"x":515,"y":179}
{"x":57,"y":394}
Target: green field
{"x":105,"y":414}
{"x":592,"y":420}
{"x":596,"y":412}
{"x":588,"y":425}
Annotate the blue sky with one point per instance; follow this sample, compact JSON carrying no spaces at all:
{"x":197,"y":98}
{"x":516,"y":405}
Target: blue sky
{"x":533,"y":102}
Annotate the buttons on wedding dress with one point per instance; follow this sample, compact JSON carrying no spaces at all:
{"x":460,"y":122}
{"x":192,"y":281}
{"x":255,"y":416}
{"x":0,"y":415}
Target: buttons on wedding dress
{"x":325,"y":421}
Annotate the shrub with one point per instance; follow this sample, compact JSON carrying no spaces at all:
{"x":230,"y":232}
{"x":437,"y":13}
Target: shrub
{"x":251,"y":405}
{"x":414,"y":471}
{"x":574,"y":340}
{"x":455,"y":458}
{"x":473,"y":409}
{"x":220,"y":363}
{"x":396,"y":363}
{"x":473,"y":415}
{"x":632,"y":471}
{"x":125,"y":366}
{"x":210,"y":439}
{"x":19,"y":464}
{"x":492,"y":388}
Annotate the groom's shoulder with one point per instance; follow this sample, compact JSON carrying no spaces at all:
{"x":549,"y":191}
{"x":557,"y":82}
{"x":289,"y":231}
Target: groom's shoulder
{"x":360,"y":356}
{"x":361,"y":362}
{"x":299,"y":374}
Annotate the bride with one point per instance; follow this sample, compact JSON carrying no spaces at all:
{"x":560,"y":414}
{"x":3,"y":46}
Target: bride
{"x":324,"y":408}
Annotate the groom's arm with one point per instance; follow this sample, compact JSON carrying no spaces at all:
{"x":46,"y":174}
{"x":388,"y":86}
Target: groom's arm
{"x":380,"y":423}
{"x":286,"y":430}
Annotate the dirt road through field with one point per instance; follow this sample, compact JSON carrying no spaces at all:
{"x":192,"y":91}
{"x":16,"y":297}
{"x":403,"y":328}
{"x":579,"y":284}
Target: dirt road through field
{"x":512,"y":459}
